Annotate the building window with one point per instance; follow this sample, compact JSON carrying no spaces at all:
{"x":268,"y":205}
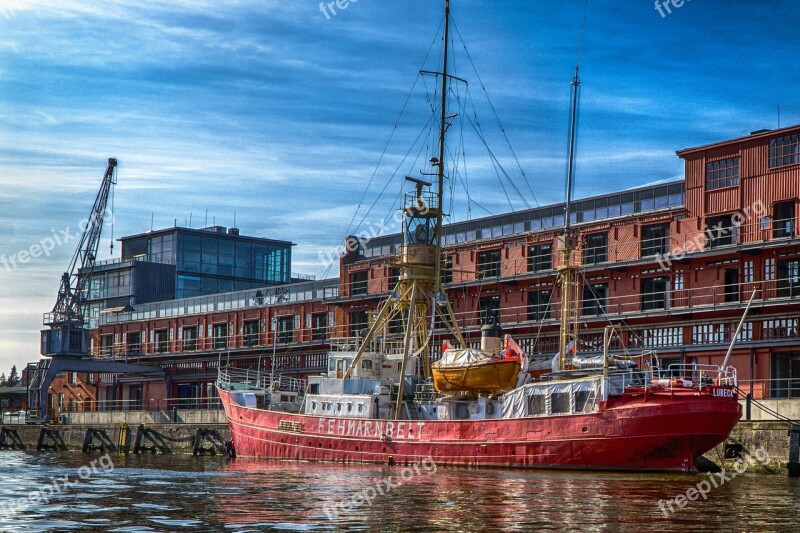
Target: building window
{"x":783,"y":224}
{"x":319,"y":326}
{"x":747,"y":269}
{"x":655,"y":240}
{"x":161,"y":341}
{"x":710,"y":333}
{"x":784,"y":151}
{"x":785,"y":381}
{"x":489,"y":264}
{"x":595,"y":299}
{"x":358,"y":321}
{"x":660,"y":338}
{"x":286,"y":329}
{"x":789,"y":278}
{"x":220,"y":336}
{"x":251,"y":333}
{"x":489,"y":307}
{"x":654,"y":293}
{"x":358,"y":283}
{"x":447,"y":270}
{"x":540,"y":257}
{"x":720,"y":231}
{"x":769,"y":269}
{"x":134,"y":342}
{"x":539,"y":305}
{"x":190,"y":339}
{"x":721,"y":174}
{"x":394,"y":278}
{"x":731,"y":285}
{"x":595,"y":248}
{"x":679,"y":282}
{"x":188,"y":395}
{"x":106,"y":345}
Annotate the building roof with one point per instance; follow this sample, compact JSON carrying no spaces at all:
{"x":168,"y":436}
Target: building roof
{"x":218,"y":231}
{"x":13,"y":391}
{"x":756,"y":135}
{"x":630,"y":202}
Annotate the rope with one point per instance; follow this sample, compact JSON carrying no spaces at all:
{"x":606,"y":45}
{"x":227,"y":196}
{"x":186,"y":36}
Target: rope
{"x":767,"y":409}
{"x":496,"y":116}
{"x":394,"y":130}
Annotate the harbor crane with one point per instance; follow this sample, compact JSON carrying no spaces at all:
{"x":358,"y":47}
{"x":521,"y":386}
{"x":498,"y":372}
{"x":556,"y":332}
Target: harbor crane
{"x":68,"y":335}
{"x":65,"y":344}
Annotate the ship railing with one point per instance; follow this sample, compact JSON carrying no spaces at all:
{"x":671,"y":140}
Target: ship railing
{"x":700,"y":374}
{"x":392,"y":346}
{"x":345,"y":344}
{"x":425,"y":392}
{"x":619,"y":382}
{"x":230,"y":378}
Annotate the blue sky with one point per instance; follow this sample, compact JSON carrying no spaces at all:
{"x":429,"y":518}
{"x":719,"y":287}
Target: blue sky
{"x":269,"y":110}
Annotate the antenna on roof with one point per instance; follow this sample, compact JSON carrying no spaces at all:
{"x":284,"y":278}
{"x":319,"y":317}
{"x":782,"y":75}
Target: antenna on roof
{"x":152,"y":216}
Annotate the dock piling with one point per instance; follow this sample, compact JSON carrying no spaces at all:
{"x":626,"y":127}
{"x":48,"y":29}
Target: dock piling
{"x":10,"y":440}
{"x":157,"y":442}
{"x":56,"y":442}
{"x":794,"y":450}
{"x":99,"y":435}
{"x":217,"y":443}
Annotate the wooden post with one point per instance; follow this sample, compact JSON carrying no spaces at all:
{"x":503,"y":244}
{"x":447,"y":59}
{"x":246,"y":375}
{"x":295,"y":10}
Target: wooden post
{"x":794,"y":450}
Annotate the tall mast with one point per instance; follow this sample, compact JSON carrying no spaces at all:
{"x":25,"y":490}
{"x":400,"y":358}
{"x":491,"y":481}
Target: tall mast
{"x":568,"y":242}
{"x":418,"y":298}
{"x":442,"y":134}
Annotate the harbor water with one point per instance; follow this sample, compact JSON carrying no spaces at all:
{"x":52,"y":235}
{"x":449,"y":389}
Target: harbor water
{"x":75,"y":492}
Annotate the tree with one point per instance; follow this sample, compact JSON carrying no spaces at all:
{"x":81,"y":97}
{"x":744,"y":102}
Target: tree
{"x":2,"y":380}
{"x":13,"y":377}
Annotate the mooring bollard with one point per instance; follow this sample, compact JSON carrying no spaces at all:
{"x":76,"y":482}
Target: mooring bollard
{"x":794,"y":450}
{"x":124,"y":440}
{"x":748,"y":406}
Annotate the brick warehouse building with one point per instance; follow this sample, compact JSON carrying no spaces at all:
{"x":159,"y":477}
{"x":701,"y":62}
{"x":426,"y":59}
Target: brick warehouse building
{"x":674,"y":264}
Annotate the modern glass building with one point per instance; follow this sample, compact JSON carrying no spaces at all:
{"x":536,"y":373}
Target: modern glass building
{"x":213,"y":260}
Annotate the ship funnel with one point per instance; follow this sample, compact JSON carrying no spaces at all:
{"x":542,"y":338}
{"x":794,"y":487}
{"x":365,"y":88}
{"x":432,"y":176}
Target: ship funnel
{"x":492,"y":338}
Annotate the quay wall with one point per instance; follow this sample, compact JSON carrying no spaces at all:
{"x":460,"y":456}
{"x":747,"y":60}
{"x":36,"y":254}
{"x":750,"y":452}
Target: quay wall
{"x":178,"y":437}
{"x":756,"y":437}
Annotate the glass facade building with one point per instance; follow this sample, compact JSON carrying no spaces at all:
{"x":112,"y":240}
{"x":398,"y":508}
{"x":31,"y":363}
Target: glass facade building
{"x":213,"y":260}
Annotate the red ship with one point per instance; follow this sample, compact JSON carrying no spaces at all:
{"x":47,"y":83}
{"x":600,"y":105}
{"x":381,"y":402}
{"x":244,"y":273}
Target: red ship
{"x":383,"y":401}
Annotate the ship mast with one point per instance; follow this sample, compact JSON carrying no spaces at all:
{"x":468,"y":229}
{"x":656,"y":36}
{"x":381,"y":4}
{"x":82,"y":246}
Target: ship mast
{"x":442,"y":135}
{"x":567,"y":272}
{"x":418,"y":298}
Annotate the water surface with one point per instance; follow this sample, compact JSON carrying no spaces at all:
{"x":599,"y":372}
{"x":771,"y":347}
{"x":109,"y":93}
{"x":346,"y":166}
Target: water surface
{"x":182,"y":493}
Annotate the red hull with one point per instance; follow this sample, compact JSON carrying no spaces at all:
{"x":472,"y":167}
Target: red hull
{"x":662,"y":432}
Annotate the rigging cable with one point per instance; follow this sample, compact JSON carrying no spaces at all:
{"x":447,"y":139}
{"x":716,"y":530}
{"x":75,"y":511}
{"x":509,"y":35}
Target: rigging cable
{"x":391,"y":136}
{"x":496,"y":115}
{"x":499,"y":165}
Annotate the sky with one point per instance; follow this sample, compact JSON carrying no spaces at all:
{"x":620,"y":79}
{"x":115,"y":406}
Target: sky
{"x":292,"y":122}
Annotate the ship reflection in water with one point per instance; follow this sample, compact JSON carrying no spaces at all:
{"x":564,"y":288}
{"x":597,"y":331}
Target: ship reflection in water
{"x":175,"y":493}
